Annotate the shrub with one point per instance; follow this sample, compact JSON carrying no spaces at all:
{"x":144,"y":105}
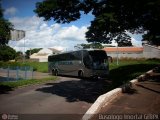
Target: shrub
{"x":7,"y":53}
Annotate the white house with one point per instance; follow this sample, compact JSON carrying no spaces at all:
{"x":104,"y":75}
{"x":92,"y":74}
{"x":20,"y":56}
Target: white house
{"x":42,"y":55}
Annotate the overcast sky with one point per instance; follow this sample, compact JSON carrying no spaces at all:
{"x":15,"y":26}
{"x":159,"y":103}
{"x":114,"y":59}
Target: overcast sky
{"x":46,"y":34}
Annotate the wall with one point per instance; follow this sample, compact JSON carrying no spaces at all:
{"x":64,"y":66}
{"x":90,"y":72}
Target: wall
{"x":126,"y":54}
{"x":43,"y":59}
{"x":151,"y":51}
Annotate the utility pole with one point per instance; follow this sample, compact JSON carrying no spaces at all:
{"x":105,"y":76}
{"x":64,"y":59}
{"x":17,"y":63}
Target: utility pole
{"x":24,"y":59}
{"x":117,"y":55}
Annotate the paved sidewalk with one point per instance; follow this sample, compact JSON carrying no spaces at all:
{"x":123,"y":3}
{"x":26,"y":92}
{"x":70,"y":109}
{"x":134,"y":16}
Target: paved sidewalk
{"x":144,"y":99}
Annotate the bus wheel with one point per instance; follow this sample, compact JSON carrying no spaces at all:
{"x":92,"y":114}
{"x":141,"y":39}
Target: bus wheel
{"x":54,"y":72}
{"x":80,"y":74}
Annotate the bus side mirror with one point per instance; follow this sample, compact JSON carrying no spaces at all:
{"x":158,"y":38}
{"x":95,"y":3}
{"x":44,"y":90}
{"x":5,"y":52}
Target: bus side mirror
{"x":110,"y":59}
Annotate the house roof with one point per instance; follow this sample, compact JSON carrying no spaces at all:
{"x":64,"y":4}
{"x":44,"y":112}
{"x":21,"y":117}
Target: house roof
{"x":54,"y":50}
{"x":44,"y":53}
{"x":123,"y":49}
{"x":35,"y":56}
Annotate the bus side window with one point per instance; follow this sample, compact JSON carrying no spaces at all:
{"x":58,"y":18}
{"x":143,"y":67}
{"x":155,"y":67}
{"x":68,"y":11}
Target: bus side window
{"x":87,"y":61}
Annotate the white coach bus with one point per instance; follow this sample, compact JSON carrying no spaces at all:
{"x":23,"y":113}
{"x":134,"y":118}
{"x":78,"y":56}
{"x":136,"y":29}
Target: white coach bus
{"x":81,"y":63}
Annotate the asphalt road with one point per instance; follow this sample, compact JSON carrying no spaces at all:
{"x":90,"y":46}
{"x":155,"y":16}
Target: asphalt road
{"x":66,"y":96}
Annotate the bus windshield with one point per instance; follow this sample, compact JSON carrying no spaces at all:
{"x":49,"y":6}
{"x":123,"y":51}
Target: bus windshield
{"x":99,"y":59}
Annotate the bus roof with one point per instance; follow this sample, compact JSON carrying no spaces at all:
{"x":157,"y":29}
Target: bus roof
{"x":79,"y":50}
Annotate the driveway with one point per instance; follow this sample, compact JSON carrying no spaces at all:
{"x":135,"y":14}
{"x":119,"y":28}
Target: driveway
{"x":66,"y":96}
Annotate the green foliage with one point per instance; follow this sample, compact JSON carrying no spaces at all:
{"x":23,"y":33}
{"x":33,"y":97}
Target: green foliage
{"x":64,"y":11}
{"x":19,"y":55}
{"x":9,"y":86}
{"x":135,"y":16}
{"x":6,"y":64}
{"x":28,"y":82}
{"x":7,"y":53}
{"x":1,"y":10}
{"x":30,"y":52}
{"x":112,"y":18}
{"x":91,"y":45}
{"x":129,"y":69}
{"x":37,"y":66}
{"x":5,"y":27}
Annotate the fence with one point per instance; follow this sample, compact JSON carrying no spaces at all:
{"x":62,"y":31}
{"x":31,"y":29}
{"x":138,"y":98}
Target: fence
{"x":16,"y":73}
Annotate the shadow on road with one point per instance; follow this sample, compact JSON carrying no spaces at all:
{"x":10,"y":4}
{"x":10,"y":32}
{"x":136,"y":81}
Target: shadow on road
{"x":77,"y":90}
{"x":5,"y":89}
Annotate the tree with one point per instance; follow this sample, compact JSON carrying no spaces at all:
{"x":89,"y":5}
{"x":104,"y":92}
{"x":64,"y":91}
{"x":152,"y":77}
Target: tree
{"x":88,"y":46}
{"x":7,"y":53}
{"x":5,"y":27}
{"x":113,"y":19}
{"x":19,"y":55}
{"x":30,"y":52}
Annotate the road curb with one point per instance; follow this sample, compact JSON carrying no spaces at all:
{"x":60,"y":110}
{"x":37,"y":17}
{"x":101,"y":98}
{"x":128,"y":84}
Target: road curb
{"x":106,"y":98}
{"x":101,"y":100}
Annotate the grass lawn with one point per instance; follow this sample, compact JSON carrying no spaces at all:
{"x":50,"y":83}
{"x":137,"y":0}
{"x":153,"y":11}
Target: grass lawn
{"x":43,"y":66}
{"x":10,"y":85}
{"x":119,"y":74}
{"x":37,"y":66}
{"x":129,"y":69}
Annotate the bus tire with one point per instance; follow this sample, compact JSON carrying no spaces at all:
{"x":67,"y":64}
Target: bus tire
{"x":55,"y":72}
{"x":80,"y":74}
